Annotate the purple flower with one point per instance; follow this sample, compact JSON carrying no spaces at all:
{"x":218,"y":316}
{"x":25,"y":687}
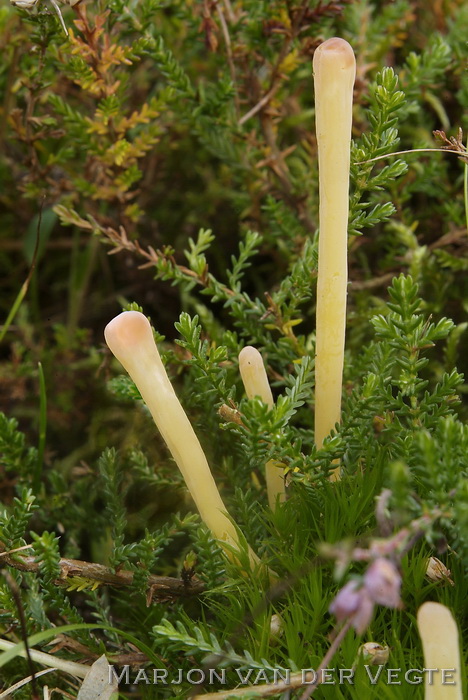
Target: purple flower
{"x":353,"y":601}
{"x":383,"y":583}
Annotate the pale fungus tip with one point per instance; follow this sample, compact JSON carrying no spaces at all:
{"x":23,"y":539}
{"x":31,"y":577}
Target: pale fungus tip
{"x":337,"y":50}
{"x":128,"y":329}
{"x":431,"y":615}
{"x":250,"y":356}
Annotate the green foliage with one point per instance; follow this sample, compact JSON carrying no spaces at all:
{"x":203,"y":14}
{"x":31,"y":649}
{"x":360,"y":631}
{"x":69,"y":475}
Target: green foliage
{"x":115,"y":511}
{"x":14,"y":454}
{"x":47,"y":555}
{"x":408,"y":333}
{"x":13,"y":523}
{"x":387,"y":103}
{"x":211,"y":563}
{"x":206,"y":642}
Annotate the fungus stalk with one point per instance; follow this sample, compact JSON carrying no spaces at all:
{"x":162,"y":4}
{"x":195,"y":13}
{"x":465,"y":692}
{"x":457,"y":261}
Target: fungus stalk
{"x":130,"y":338}
{"x":256,"y":383}
{"x":439,"y":635}
{"x":334,"y":73}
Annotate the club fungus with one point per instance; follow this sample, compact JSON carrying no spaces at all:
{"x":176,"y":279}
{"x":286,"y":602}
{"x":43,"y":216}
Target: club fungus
{"x":334,"y":73}
{"x":256,"y":383}
{"x":439,"y":635}
{"x":130,"y":338}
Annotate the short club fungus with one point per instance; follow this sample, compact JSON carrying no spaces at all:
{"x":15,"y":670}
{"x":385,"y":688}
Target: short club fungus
{"x":439,"y":635}
{"x":255,"y":380}
{"x":334,"y":73}
{"x":130,"y":338}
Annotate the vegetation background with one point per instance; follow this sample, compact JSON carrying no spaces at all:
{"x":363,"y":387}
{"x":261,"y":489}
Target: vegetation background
{"x":164,"y":155}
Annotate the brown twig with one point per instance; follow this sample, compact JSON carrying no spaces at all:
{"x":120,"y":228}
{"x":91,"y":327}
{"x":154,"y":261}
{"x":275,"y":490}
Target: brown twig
{"x":276,"y":160}
{"x":13,"y":586}
{"x":161,"y":587}
{"x":120,"y":241}
{"x":459,"y":235}
{"x":275,"y":77}
{"x":372,"y":283}
{"x":260,"y":104}
{"x":24,"y":681}
{"x":229,"y":10}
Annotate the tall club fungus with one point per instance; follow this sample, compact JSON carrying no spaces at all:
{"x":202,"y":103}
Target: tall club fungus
{"x":334,"y":73}
{"x":130,"y":338}
{"x":439,"y":635}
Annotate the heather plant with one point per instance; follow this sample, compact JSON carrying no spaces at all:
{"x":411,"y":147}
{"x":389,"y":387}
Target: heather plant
{"x":160,"y":158}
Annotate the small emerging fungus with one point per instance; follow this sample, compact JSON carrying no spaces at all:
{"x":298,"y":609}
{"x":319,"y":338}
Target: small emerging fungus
{"x":334,"y":73}
{"x":374,"y":654}
{"x":130,"y":338}
{"x":437,"y":571}
{"x":439,"y":635}
{"x":255,"y":380}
